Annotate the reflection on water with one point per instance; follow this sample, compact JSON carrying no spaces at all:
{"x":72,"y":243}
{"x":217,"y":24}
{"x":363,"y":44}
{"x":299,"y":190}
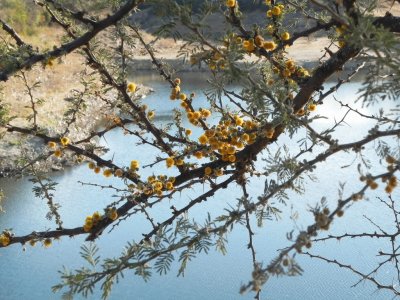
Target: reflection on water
{"x":30,"y":274}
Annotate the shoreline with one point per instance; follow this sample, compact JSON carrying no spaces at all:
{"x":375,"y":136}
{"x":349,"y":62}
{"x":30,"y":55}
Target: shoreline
{"x":15,"y":146}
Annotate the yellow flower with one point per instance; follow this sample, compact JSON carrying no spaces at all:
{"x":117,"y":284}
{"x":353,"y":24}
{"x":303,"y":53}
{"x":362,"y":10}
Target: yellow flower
{"x":286,"y":73}
{"x":169,"y":185}
{"x":207,"y":171}
{"x":219,"y":172}
{"x":270,"y":133}
{"x":96,"y":216}
{"x":134,"y":164}
{"x":258,"y":40}
{"x":393,"y":181}
{"x":131,"y":87}
{"x":32,"y":243}
{"x":231,"y":3}
{"x":196,"y":115}
{"x":91,"y":165}
{"x":285,"y":36}
{"x":176,"y":90}
{"x":65,"y":141}
{"x":51,"y":145}
{"x":232,"y":158}
{"x":188,"y":132}
{"x":269,"y":45}
{"x":150,"y":114}
{"x":182,"y":96}
{"x":170,"y":162}
{"x":107,"y":172}
{"x":177,"y":81}
{"x":97,"y":170}
{"x":158,"y":185}
{"x":198,"y":154}
{"x":184,"y":105}
{"x":276,"y":11}
{"x":205,"y":113}
{"x":47,"y":242}
{"x":89,"y":220}
{"x":388,"y":189}
{"x":179,"y":162}
{"x":210,"y":133}
{"x":312,"y":107}
{"x":390,"y":159}
{"x":289,"y":63}
{"x":113,"y":214}
{"x":203,"y":139}
{"x":301,"y":112}
{"x":119,"y":173}
{"x":4,"y":240}
{"x":238,"y":121}
{"x":87,"y":228}
{"x":372,"y":184}
{"x":58,"y":153}
{"x":270,"y":28}
{"x":248,"y":46}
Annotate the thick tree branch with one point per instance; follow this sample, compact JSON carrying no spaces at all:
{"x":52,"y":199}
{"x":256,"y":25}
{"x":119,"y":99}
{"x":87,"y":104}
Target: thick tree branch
{"x":75,"y":44}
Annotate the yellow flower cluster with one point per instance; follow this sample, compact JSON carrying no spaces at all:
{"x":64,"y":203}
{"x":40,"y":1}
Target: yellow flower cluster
{"x":275,"y":11}
{"x":91,"y":221}
{"x":217,"y":60}
{"x":227,"y":138}
{"x":392,"y":181}
{"x":372,"y":184}
{"x":208,"y":171}
{"x":64,"y":141}
{"x":175,"y":91}
{"x":156,"y":185}
{"x":341,"y":31}
{"x":322,"y":219}
{"x":134,"y":166}
{"x":288,"y":68}
{"x":194,"y":116}
{"x":5,"y":238}
{"x":250,"y":45}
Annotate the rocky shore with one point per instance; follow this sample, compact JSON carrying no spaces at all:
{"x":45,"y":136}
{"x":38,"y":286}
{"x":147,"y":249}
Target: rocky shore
{"x":17,"y":150}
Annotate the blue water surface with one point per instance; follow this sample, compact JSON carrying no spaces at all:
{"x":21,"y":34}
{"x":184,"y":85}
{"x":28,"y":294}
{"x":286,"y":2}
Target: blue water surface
{"x":29,"y":272}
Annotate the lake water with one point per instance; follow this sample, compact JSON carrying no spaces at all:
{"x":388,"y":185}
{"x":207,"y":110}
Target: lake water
{"x":30,"y":274}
